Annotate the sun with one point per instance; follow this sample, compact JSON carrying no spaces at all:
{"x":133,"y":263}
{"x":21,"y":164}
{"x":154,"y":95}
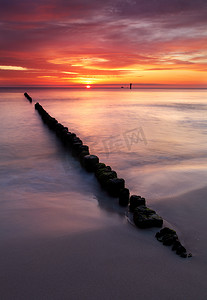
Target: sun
{"x":88,"y":86}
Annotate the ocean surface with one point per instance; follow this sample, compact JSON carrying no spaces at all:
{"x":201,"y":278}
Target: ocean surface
{"x":154,"y":139}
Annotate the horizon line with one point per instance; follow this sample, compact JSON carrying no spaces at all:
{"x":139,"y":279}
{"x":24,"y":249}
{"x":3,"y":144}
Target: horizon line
{"x":110,"y":86}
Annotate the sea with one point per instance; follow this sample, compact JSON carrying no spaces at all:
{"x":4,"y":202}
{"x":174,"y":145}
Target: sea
{"x":153,"y":138}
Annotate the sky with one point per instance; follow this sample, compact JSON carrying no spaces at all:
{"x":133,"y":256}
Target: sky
{"x":103,"y":42}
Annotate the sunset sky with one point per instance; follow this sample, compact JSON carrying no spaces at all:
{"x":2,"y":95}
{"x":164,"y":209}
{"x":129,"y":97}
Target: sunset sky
{"x":80,"y":42}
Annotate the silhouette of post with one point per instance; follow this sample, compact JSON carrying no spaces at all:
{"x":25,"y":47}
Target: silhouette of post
{"x":130,"y":86}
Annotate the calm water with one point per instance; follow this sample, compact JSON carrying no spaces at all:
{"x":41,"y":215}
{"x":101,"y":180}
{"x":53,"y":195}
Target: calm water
{"x":154,"y":139}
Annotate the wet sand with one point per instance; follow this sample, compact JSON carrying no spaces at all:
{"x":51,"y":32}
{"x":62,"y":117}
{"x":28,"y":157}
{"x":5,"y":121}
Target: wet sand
{"x":94,"y":253}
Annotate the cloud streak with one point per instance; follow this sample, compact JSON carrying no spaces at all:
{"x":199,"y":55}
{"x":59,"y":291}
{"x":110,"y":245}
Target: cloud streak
{"x":13,"y":68}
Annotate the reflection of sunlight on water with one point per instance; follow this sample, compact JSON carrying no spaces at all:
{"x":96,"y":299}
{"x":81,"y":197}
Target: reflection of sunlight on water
{"x":165,"y":156}
{"x":173,"y":123}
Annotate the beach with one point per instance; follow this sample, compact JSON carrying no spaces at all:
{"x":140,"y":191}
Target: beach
{"x":62,"y":236}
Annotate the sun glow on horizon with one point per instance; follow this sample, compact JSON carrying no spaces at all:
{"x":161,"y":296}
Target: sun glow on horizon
{"x":88,"y":86}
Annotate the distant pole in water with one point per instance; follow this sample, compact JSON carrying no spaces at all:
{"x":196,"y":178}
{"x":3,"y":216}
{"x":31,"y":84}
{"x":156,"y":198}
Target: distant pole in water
{"x":130,"y":86}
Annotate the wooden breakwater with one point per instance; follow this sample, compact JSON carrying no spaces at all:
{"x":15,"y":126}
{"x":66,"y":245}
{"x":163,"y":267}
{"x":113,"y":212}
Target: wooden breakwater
{"x":143,"y":217}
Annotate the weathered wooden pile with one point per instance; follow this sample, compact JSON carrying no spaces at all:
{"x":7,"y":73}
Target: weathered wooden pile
{"x":143,"y":216}
{"x":169,"y":237}
{"x":28,"y":97}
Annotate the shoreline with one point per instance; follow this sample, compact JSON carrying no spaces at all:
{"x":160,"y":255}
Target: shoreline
{"x":110,"y":262}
